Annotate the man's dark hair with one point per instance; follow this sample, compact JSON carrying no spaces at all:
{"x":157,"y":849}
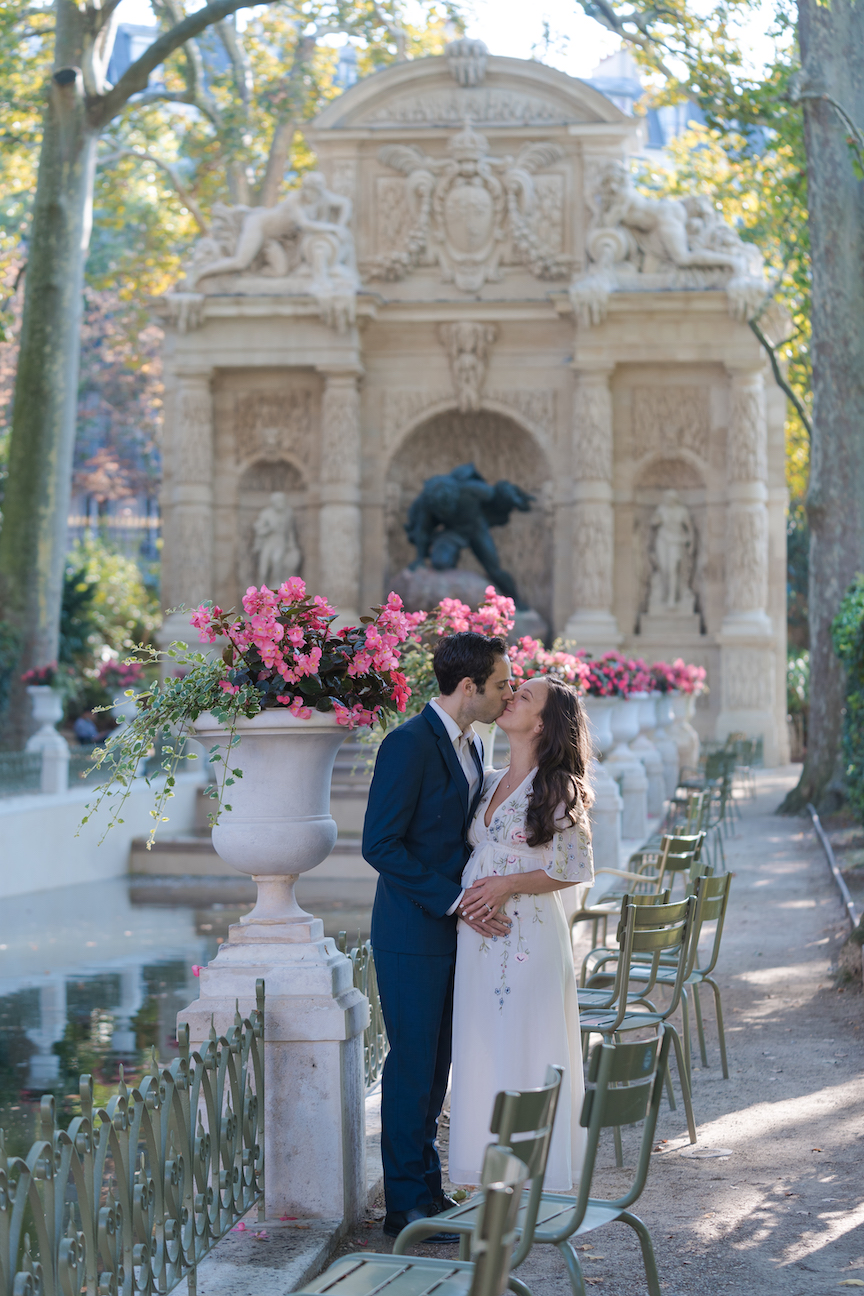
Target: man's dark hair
{"x":466,"y":656}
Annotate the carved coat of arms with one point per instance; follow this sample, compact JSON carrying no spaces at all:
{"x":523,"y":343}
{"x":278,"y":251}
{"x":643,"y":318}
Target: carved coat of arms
{"x":468,"y":209}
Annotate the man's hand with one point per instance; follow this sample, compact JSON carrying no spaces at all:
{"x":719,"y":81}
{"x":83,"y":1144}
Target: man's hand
{"x":499,"y":925}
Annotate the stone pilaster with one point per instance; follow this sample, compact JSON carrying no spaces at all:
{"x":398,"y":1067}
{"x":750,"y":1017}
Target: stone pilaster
{"x":747,"y":512}
{"x":340,"y":532}
{"x":187,"y":500}
{"x":592,"y":623}
{"x":747,"y":640}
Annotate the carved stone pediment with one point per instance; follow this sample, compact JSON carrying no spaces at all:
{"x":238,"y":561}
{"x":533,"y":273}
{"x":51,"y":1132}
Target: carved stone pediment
{"x":469,"y":211}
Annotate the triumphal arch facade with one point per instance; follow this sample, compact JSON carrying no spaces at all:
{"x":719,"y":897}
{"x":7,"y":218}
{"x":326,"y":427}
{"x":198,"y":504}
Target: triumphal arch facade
{"x":471,"y":276}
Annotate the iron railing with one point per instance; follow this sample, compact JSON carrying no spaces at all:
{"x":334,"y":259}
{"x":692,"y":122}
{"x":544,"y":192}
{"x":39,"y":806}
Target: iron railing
{"x":20,"y":772}
{"x":375,"y":1044}
{"x":133,"y":1195}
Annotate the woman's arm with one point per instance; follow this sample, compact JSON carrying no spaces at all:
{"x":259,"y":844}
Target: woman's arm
{"x":491,"y":893}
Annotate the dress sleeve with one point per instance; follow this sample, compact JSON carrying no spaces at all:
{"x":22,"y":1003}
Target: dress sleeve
{"x":569,"y":856}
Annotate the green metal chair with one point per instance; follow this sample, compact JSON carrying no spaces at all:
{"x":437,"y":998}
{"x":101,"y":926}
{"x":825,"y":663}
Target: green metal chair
{"x":654,"y":931}
{"x":485,"y":1274}
{"x":522,"y":1121}
{"x":624,"y":1087}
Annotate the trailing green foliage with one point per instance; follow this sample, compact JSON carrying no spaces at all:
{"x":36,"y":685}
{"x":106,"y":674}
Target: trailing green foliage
{"x":847,"y":632}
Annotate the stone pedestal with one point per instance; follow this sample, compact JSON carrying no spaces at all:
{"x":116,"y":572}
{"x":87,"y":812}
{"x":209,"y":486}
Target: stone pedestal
{"x":339,"y":539}
{"x":669,"y":625}
{"x":606,"y":815}
{"x":280,"y":827}
{"x":54,"y":749}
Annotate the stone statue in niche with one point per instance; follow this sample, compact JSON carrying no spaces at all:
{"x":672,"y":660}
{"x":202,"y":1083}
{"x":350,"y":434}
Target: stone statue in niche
{"x":635,"y":241}
{"x":455,"y":511}
{"x":671,"y":557}
{"x":275,"y":542}
{"x":466,"y":208}
{"x":304,"y":242}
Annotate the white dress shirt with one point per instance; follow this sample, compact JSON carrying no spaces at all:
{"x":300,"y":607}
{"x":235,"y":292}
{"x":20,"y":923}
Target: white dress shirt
{"x":462,"y":742}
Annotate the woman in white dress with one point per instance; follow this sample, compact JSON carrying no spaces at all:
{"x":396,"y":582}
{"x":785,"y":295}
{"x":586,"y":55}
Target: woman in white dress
{"x":515,"y":1007}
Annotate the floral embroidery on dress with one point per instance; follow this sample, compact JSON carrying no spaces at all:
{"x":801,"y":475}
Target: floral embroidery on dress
{"x":502,"y":849}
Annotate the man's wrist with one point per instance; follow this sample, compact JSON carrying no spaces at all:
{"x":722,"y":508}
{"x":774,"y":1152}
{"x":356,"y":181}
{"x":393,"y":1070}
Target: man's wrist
{"x":455,"y":905}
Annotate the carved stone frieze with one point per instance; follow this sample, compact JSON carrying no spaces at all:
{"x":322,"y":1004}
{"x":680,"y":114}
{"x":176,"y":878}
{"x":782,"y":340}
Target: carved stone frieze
{"x":192,"y":446}
{"x":592,"y":557}
{"x":671,"y":418}
{"x":481,"y":104}
{"x":467,"y":346}
{"x":469,"y":211}
{"x":748,"y":679}
{"x":536,"y":405}
{"x":400,"y":408}
{"x":270,"y":424}
{"x":747,"y":446}
{"x":592,"y":429}
{"x":746,"y":558}
{"x":340,"y":430}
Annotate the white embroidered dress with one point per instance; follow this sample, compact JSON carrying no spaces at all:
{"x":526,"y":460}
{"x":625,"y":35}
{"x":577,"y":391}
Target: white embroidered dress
{"x":515,"y":1007}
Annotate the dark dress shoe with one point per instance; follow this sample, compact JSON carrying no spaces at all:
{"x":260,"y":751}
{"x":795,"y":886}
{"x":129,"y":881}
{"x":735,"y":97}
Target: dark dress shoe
{"x":442,"y":1203}
{"x":396,"y":1221}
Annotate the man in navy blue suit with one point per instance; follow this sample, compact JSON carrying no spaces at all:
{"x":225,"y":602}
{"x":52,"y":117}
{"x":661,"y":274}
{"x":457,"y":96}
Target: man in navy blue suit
{"x":427,"y":782}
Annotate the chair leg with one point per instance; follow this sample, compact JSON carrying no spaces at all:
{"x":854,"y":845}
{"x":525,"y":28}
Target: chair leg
{"x":465,"y":1246}
{"x":574,"y":1269}
{"x":721,"y":1034}
{"x":685,"y":1032}
{"x":670,"y":1092}
{"x":685,"y":1087}
{"x":647,"y":1251}
{"x":700,"y":1026}
{"x":619,"y":1151}
{"x":518,"y":1286}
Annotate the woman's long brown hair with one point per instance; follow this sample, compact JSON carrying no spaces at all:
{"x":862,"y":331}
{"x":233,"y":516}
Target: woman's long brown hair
{"x":561,"y":793}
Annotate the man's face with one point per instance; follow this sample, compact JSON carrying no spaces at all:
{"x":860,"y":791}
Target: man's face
{"x":497,"y":692}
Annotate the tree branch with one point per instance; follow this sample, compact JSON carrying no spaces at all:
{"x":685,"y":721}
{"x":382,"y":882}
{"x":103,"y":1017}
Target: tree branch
{"x":240,"y":64}
{"x":103,"y":108}
{"x":780,"y":378}
{"x":173,"y":175}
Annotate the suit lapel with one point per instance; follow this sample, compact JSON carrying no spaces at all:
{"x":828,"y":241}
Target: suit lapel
{"x":448,"y":751}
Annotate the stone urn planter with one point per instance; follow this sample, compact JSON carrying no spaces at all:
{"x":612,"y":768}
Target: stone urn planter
{"x":625,"y":728}
{"x":683,"y":733}
{"x":644,"y":749}
{"x":47,"y":712}
{"x":279,"y":824}
{"x":664,"y":742}
{"x":599,"y":712}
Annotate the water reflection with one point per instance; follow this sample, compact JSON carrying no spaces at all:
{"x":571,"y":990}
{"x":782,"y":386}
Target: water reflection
{"x":93,"y":975}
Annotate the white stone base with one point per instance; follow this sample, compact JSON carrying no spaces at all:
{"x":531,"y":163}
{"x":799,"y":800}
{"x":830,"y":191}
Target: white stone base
{"x":315,"y":1155}
{"x":596,"y":632}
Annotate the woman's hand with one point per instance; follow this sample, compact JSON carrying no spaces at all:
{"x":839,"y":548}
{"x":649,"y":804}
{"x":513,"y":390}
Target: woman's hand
{"x":486,"y":896}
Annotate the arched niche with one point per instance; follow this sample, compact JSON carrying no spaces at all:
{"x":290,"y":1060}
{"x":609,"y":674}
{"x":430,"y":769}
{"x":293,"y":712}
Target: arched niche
{"x":255,"y":486}
{"x":652,"y":479}
{"x":500,"y":449}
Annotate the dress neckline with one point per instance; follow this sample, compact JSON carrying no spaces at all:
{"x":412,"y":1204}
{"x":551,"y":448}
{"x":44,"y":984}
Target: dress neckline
{"x":512,"y":793}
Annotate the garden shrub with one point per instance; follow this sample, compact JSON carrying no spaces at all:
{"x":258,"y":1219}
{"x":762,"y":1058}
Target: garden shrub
{"x":847,"y":633}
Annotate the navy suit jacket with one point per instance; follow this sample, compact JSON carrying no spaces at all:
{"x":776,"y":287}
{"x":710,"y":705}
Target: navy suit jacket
{"x":415,"y":837}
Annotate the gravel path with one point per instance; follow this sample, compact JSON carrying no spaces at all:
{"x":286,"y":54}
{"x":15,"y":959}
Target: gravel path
{"x":783,"y":1214}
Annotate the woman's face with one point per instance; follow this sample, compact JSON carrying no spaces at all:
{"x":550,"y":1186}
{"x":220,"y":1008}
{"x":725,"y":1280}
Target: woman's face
{"x":521,"y":716}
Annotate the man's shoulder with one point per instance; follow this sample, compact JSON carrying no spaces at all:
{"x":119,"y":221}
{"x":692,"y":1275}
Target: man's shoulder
{"x":410,"y":732}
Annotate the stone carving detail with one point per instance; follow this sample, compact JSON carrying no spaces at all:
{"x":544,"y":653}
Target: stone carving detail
{"x":671,"y":557}
{"x":636,"y":242}
{"x":483,"y":105}
{"x":303,"y":244}
{"x":748,"y":680}
{"x":747,"y":558}
{"x":748,"y":435}
{"x":467,"y":60}
{"x":193,"y":443}
{"x":340,"y":431}
{"x":275,"y":542}
{"x":269,"y":424}
{"x":592,"y":431}
{"x":592,"y":557}
{"x":536,"y":405}
{"x":467,"y":346}
{"x":187,"y":575}
{"x":344,"y":173}
{"x":469,"y":210}
{"x":339,"y":553}
{"x":671,"y":418}
{"x":403,"y":407}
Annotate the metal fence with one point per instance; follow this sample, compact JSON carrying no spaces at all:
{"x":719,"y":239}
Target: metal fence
{"x":133,"y":1195}
{"x":375,"y":1044}
{"x":20,"y":772}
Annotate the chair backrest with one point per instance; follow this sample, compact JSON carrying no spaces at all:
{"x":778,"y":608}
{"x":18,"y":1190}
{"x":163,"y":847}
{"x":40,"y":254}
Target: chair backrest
{"x":624,"y":1087}
{"x":659,"y":932}
{"x":504,"y":1177}
{"x":522,"y":1120}
{"x":712,"y":896}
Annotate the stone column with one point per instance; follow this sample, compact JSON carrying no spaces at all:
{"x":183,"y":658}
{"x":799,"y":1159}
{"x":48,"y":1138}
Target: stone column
{"x":339,"y":534}
{"x":747,"y":512}
{"x":747,"y":636}
{"x":187,"y":501}
{"x":592,"y":623}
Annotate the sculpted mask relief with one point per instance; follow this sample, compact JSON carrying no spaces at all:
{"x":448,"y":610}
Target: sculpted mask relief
{"x":634,"y":241}
{"x":467,"y":346}
{"x":469,"y":211}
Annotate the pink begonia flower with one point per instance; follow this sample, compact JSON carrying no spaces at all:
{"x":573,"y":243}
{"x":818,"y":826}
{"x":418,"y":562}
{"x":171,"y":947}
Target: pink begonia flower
{"x":295,"y":705}
{"x":239,"y":1228}
{"x":293,"y":590}
{"x":228,"y":687}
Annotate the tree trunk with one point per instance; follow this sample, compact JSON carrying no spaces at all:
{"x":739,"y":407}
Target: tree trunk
{"x":33,"y":538}
{"x":835,"y":498}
